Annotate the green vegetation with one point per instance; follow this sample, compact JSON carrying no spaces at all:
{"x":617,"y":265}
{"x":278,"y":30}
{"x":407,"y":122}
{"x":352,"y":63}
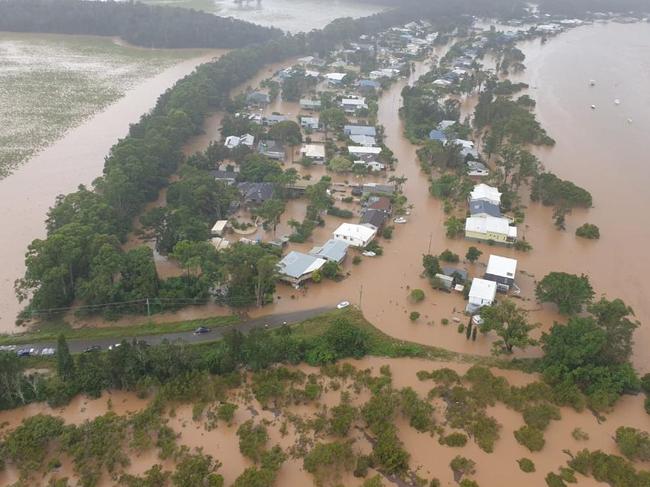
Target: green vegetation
{"x":510,"y":324}
{"x":568,"y":291}
{"x":462,"y":466}
{"x":328,"y":461}
{"x":454,"y":440}
{"x":448,"y":256}
{"x":473,"y":254}
{"x":530,"y":437}
{"x":633,"y":444}
{"x":252,"y":440}
{"x":414,"y":315}
{"x":526,"y":465}
{"x":52,"y":83}
{"x":417,"y":295}
{"x":579,"y":435}
{"x":588,"y":231}
{"x":609,"y":469}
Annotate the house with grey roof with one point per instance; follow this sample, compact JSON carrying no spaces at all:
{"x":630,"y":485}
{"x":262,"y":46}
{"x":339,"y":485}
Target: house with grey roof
{"x":368,"y":130}
{"x":271,"y":149}
{"x":273,"y":119}
{"x":256,"y":193}
{"x":258,"y":98}
{"x":376,"y":218}
{"x":484,"y":208}
{"x":296,"y":267}
{"x":333,"y":251}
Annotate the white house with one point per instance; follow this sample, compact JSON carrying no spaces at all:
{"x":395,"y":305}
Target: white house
{"x":311,"y":123}
{"x":233,"y":141}
{"x":501,"y":270}
{"x":359,"y":150}
{"x":483,"y":192}
{"x":335,"y":78}
{"x":309,"y":104}
{"x":355,"y":235}
{"x":482,"y":293}
{"x":220,"y":243}
{"x":351,"y":105}
{"x":315,"y":152}
{"x":490,"y":228}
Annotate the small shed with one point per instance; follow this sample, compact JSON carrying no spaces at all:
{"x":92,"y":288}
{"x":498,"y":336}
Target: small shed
{"x":219,"y":228}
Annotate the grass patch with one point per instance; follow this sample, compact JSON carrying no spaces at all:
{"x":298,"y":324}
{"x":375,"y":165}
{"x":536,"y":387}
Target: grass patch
{"x":51,"y":331}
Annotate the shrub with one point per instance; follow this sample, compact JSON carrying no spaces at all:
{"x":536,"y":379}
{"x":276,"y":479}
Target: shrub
{"x":461,"y":327}
{"x":554,"y":480}
{"x":523,"y":246}
{"x":462,"y":466}
{"x":588,"y":231}
{"x":444,"y":321}
{"x":468,"y":483}
{"x":417,"y":295}
{"x":343,"y":416}
{"x":252,"y":440}
{"x":340,"y":213}
{"x":226,"y":412}
{"x":526,"y":465}
{"x":645,"y":383}
{"x":356,"y":260}
{"x":448,"y":256}
{"x":633,"y":444}
{"x":387,"y":233}
{"x":579,"y":435}
{"x":454,"y":439}
{"x":530,"y":437}
{"x":414,"y":316}
{"x":327,"y":461}
{"x":540,"y":415}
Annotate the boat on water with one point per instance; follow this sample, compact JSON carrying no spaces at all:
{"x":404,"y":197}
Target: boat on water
{"x":592,"y":82}
{"x":593,"y":107}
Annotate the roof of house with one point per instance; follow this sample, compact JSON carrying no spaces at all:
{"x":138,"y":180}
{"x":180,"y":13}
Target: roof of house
{"x":483,"y":289}
{"x":224,"y":175}
{"x":314,"y":151}
{"x":360,"y":149}
{"x":335,"y":76}
{"x":437,"y":135}
{"x":309,"y":102}
{"x":356,"y":102}
{"x":483,"y":191}
{"x":333,"y":249}
{"x":378,"y":188}
{"x":355,"y":231}
{"x":445,"y":124}
{"x":365,"y":140}
{"x":369,"y":83}
{"x":502,"y":266}
{"x":220,"y":226}
{"x":309,"y":120}
{"x":296,"y":264}
{"x":275,"y":118}
{"x":450,"y":271}
{"x":478,"y":207}
{"x":256,"y":191}
{"x":376,"y":218}
{"x":360,"y":130}
{"x":379,"y":203}
{"x":490,"y":224}
{"x":270,"y":146}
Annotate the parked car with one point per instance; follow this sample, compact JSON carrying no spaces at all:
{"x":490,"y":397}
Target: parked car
{"x":343,"y":304}
{"x":369,"y":253}
{"x":201,"y":330}
{"x":48,"y":351}
{"x":114,"y":346}
{"x":24,"y":352}
{"x":400,"y":219}
{"x":93,"y":348}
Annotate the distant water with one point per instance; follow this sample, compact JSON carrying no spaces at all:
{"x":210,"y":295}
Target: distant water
{"x":604,"y":150}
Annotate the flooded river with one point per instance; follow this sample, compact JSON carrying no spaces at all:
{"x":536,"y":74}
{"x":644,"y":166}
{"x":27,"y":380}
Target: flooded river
{"x":78,"y":158}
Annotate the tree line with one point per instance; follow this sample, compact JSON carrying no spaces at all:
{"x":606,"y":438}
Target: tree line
{"x":135,"y":22}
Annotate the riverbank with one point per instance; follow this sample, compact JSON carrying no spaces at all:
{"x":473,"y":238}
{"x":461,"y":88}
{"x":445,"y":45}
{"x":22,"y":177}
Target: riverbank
{"x":77,"y":158}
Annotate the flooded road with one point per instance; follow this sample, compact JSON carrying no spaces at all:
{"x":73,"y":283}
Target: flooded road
{"x":78,"y":158}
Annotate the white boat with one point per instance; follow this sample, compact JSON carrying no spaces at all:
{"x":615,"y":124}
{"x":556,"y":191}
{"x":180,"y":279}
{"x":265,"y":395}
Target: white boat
{"x":400,"y":219}
{"x":617,"y":102}
{"x":343,"y":304}
{"x":593,"y":107}
{"x":592,"y":82}
{"x":369,"y":253}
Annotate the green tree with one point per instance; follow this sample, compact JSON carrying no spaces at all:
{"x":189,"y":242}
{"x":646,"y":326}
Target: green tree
{"x":588,"y":231}
{"x":455,"y":226}
{"x":287,"y":132}
{"x":339,"y":164}
{"x":332,"y":119}
{"x":270,"y":212}
{"x":252,"y":440}
{"x":328,"y":461}
{"x":197,"y":469}
{"x":614,"y":318}
{"x":417,"y":295}
{"x":634,"y":444}
{"x":431,"y":265}
{"x":568,"y":291}
{"x":510,"y":324}
{"x":473,"y":254}
{"x":64,"y":362}
{"x":330,"y":270}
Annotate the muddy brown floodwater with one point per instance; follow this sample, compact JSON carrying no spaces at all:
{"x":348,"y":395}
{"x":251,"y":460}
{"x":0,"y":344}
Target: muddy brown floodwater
{"x":428,"y":457}
{"x":78,"y":158}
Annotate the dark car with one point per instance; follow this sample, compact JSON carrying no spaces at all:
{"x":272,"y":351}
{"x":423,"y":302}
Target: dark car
{"x":94,"y":348}
{"x":25,"y":352}
{"x":201,"y":330}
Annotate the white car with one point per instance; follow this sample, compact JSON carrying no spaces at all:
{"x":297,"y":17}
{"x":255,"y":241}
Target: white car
{"x":368,"y":253}
{"x":400,"y":219}
{"x":343,"y":304}
{"x":113,"y":347}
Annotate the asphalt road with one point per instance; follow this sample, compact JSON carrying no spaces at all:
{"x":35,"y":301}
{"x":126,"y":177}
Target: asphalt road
{"x":273,"y":321}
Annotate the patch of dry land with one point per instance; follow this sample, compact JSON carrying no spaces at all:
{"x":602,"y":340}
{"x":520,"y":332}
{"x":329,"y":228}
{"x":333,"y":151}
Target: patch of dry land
{"x":51,"y":83}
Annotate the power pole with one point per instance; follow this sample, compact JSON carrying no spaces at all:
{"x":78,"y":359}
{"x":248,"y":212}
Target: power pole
{"x":429,"y":247}
{"x":148,"y":309}
{"x":360,"y":295}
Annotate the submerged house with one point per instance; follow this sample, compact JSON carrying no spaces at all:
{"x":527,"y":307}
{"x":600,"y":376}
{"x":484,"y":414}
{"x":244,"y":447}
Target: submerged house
{"x":271,"y":149}
{"x":490,"y":229}
{"x":256,"y":193}
{"x":483,"y":192}
{"x":332,"y":251}
{"x":309,"y":104}
{"x":258,"y":98}
{"x":482,"y":208}
{"x":368,"y":130}
{"x":481,"y":293}
{"x":297,"y":267}
{"x":501,"y":270}
{"x":315,"y":152}
{"x":310,"y":123}
{"x":351,"y":105}
{"x":355,"y":235}
{"x":375,"y":218}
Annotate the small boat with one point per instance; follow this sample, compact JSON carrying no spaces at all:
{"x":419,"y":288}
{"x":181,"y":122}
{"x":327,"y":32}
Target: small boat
{"x":369,"y":253}
{"x":592,"y":82}
{"x":593,"y":107}
{"x":343,"y":304}
{"x":617,"y":101}
{"x":400,"y":219}
{"x":629,"y":120}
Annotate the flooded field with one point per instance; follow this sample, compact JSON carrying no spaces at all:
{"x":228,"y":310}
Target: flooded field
{"x":78,"y":157}
{"x":288,"y":426}
{"x":51,"y":83}
{"x":288,"y":15}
